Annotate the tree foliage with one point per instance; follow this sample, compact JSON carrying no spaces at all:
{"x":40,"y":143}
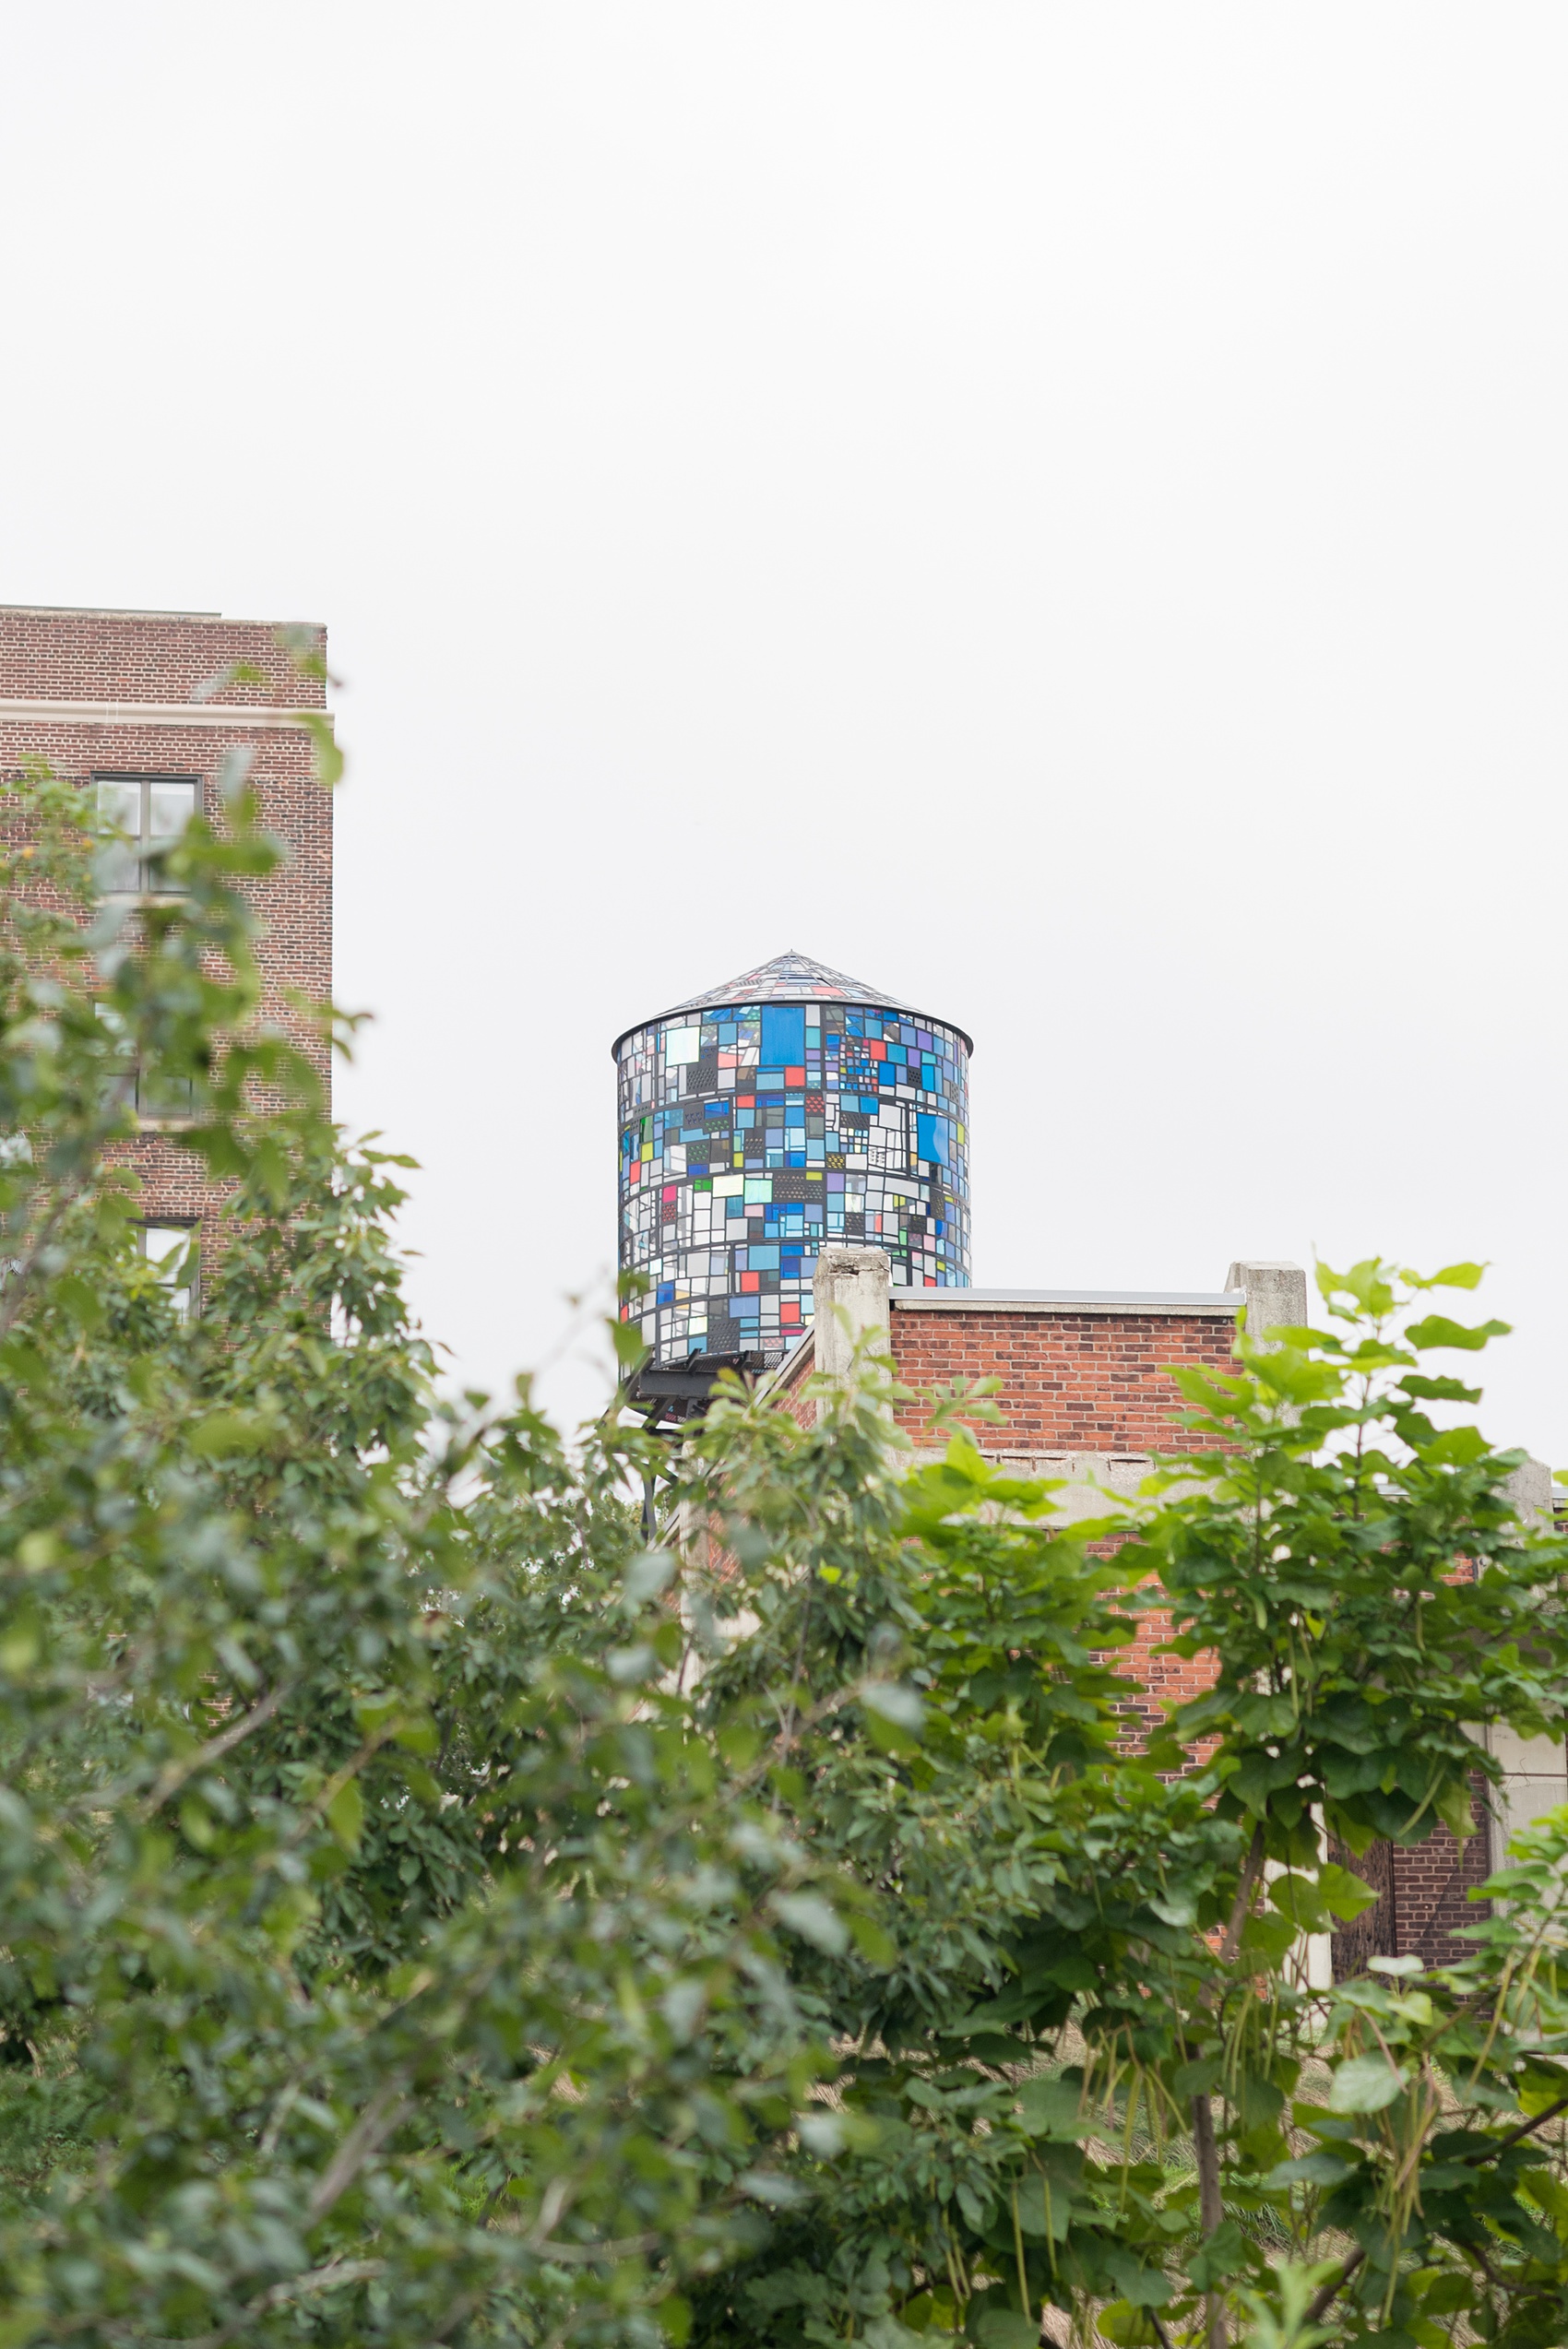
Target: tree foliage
{"x":431,"y":1912}
{"x":1099,"y":2075}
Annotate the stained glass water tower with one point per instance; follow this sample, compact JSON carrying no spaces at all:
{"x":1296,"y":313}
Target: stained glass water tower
{"x":791,"y":1110}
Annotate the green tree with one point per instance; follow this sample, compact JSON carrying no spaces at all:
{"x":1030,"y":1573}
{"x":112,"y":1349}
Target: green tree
{"x":1099,"y":2079}
{"x":370,"y":1964}
{"x":430,"y":1912}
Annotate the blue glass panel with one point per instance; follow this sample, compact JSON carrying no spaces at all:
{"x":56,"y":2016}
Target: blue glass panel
{"x":783,"y":1034}
{"x":930,"y":1139}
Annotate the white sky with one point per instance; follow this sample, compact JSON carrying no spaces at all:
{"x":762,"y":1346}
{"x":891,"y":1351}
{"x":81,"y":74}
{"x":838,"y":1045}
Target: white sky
{"x":1057,"y":510}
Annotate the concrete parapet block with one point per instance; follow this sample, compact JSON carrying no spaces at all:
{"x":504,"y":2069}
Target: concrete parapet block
{"x":1276,"y":1295}
{"x":850,"y":1306}
{"x":1530,"y":1489}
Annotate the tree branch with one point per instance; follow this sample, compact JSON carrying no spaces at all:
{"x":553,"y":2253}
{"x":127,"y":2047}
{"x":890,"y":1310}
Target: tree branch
{"x":1322,"y":2301}
{"x":1251,"y":1870}
{"x":1514,"y":2135}
{"x":175,"y":1775}
{"x":293,"y":2287}
{"x":1206,"y":2147}
{"x":329,"y":1794}
{"x":378,"y":2120}
{"x":622,"y":2247}
{"x":1336,"y":2284}
{"x":1211,"y":2211}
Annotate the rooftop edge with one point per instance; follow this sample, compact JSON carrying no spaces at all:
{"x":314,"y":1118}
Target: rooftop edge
{"x":135,"y":611}
{"x":1069,"y":1301}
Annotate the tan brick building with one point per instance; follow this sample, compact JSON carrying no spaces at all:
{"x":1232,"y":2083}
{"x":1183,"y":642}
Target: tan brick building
{"x":109,"y":701}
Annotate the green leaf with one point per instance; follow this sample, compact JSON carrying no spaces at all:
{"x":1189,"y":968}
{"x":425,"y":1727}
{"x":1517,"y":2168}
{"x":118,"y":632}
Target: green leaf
{"x":1365,"y":2085}
{"x":1437,"y":1330}
{"x":324,"y":740}
{"x":1320,"y":2168}
{"x":345,"y":1815}
{"x":1457,"y":1276}
{"x":650,"y":1572}
{"x":418,"y":1736}
{"x":1268,"y":1940}
{"x":1215,"y":2260}
{"x":373,"y":1708}
{"x":1446,"y":2295}
{"x":676,"y":2320}
{"x":1052,"y":2109}
{"x":772,"y":2188}
{"x":1343,"y":1891}
{"x":740,"y":1742}
{"x":886,"y":2333}
{"x":1454,"y":1807}
{"x":1118,"y":2321}
{"x":223,"y":1433}
{"x":1456,"y":1447}
{"x":1005,"y":2328}
{"x":233,"y":771}
{"x":810,"y":1916}
{"x":1149,"y":2288}
{"x":82,"y":1301}
{"x":892,"y":1700}
{"x":1297,"y":1897}
{"x":877,"y":1948}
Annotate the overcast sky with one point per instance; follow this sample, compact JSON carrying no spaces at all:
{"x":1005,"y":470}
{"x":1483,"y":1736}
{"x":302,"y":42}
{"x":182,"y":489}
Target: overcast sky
{"x":1058,"y":510}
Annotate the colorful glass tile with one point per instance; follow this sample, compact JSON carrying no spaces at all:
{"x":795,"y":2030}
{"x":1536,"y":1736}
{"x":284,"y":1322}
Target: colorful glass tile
{"x":791,"y":1109}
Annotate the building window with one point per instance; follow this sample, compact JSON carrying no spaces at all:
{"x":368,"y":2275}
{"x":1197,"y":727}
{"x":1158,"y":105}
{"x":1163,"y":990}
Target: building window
{"x":159,"y":1100}
{"x":155,"y":1100}
{"x":170,"y":1250}
{"x":153,"y":811}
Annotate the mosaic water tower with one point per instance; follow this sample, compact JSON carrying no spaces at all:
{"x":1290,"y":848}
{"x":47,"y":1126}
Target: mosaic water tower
{"x":791,"y":1110}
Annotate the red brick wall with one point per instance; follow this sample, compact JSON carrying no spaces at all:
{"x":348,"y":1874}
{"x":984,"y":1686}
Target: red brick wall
{"x":1432,"y":1886}
{"x":1071,"y":1381}
{"x":1423,"y":1897}
{"x":111,"y":657}
{"x":1080,"y":1382}
{"x":146,"y":657}
{"x":1075,"y":1382}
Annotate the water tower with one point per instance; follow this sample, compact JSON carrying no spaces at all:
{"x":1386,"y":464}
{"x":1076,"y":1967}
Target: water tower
{"x":791,"y":1109}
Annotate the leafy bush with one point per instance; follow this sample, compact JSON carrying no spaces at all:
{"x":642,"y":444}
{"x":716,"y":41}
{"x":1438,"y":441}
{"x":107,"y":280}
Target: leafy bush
{"x":428,"y":1912}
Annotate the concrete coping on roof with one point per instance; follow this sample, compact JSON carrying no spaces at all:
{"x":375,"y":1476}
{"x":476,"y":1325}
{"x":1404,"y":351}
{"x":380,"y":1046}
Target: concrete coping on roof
{"x":135,"y":611}
{"x":1224,"y":1302}
{"x":18,"y":708}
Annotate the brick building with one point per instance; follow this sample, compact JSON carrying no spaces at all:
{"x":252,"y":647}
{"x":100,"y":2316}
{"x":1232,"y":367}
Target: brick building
{"x":1086,"y":1393}
{"x":109,"y":700}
